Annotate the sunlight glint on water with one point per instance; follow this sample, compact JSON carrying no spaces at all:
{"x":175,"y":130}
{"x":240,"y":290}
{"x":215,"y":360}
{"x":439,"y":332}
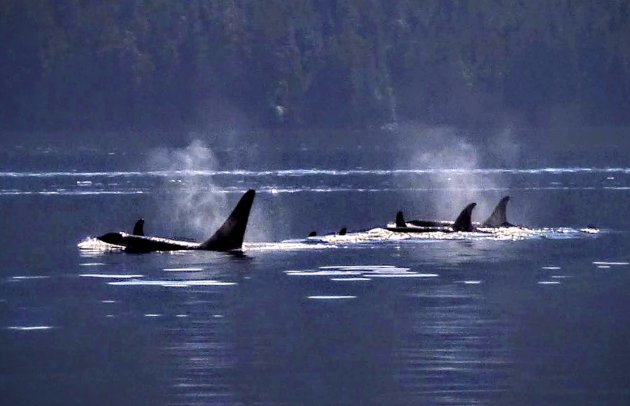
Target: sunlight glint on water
{"x":390,"y":318}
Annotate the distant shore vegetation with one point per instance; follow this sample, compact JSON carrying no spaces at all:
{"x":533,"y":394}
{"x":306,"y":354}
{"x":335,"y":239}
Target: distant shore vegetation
{"x":304,"y":64}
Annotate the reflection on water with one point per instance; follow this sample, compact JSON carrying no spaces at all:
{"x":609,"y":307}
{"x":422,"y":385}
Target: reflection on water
{"x":521,"y":316}
{"x":201,"y":353}
{"x":444,"y":345}
{"x":454,"y":351}
{"x":296,"y":327}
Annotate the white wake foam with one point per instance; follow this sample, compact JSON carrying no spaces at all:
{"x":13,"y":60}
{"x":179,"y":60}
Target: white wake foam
{"x":171,"y":284}
{"x":360,"y":272}
{"x":378,"y":235}
{"x":498,"y":234}
{"x":95,"y":245}
{"x":29,"y":328}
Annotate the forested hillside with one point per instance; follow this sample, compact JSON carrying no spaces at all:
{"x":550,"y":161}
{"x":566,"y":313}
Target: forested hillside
{"x":146,"y":64}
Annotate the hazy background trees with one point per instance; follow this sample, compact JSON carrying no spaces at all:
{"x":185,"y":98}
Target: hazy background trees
{"x":147,"y":64}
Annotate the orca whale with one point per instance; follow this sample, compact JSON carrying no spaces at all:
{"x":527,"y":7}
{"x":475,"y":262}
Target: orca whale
{"x":462,"y":223}
{"x":342,"y":231}
{"x":138,"y":228}
{"x":497,"y":219}
{"x":464,"y":220}
{"x":227,"y":238}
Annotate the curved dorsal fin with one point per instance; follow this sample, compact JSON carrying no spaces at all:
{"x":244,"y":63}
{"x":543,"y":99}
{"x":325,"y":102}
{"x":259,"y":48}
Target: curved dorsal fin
{"x":230,"y":235}
{"x":312,"y":234}
{"x":400,"y":220}
{"x":343,"y":231}
{"x":498,"y":218}
{"x":138,"y":228}
{"x":464,"y":222}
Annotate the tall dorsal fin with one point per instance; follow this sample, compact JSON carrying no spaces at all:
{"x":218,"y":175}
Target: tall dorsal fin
{"x":498,"y":218}
{"x":138,"y":228}
{"x":343,"y":231}
{"x":464,"y":222}
{"x":230,"y":235}
{"x":400,"y":220}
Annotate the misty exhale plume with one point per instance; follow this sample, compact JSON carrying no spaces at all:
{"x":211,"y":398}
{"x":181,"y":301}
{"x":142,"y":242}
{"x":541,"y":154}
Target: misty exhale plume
{"x":457,"y":170}
{"x":198,"y":204}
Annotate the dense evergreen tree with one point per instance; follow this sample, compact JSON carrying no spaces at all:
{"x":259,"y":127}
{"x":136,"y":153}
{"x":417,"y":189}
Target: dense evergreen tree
{"x":87,"y":64}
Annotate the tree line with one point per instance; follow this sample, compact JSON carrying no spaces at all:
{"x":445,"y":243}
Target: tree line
{"x":144,"y":64}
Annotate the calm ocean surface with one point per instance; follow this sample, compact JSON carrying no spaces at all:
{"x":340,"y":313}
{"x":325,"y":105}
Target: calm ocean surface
{"x":540,"y":318}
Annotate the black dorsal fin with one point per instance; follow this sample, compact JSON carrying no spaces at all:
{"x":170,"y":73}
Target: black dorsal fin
{"x":464,"y":222}
{"x":343,"y":231}
{"x":312,"y":234}
{"x":400,"y":220}
{"x":498,"y":218}
{"x":230,"y":235}
{"x":138,"y":228}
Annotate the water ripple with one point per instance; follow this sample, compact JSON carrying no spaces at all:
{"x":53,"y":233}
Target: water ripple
{"x":310,"y":172}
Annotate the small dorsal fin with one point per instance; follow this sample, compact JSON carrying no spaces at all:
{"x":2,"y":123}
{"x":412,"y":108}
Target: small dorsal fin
{"x":312,"y":234}
{"x":464,"y":222}
{"x":498,"y":218}
{"x":400,"y":220}
{"x":138,"y":228}
{"x":343,"y":231}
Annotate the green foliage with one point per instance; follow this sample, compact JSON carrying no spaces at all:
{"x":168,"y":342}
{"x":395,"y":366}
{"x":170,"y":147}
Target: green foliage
{"x":90,"y":64}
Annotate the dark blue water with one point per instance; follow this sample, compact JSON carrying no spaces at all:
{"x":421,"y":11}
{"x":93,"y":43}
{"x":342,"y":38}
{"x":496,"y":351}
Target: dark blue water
{"x":538,"y":319}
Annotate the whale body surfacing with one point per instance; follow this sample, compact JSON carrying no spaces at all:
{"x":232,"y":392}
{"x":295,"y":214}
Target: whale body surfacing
{"x":227,"y":238}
